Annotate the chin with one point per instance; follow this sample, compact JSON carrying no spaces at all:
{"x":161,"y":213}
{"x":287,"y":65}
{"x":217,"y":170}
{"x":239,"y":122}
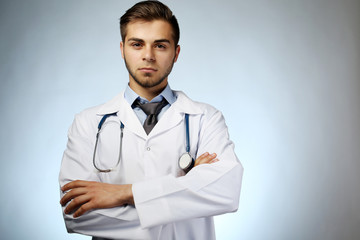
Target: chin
{"x":149,"y":83}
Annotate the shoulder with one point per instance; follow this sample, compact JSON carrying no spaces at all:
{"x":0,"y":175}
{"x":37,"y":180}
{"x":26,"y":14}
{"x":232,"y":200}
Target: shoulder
{"x":208,"y":119}
{"x":89,"y":118}
{"x":84,"y":121}
{"x":110,"y":106}
{"x":187,"y":105}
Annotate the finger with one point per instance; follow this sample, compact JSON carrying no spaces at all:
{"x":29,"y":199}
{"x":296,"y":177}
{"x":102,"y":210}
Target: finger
{"x":76,"y":203}
{"x":202,"y":156}
{"x":214,"y":160}
{"x":207,"y":158}
{"x":71,"y":195}
{"x":83,"y":209}
{"x":74,"y":184}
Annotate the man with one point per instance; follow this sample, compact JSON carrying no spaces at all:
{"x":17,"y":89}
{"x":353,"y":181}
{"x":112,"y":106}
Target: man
{"x":134,"y":183}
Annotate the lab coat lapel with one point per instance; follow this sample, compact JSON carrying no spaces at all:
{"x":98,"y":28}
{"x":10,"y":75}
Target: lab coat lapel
{"x":130,"y":120}
{"x":125,"y":114}
{"x":170,"y":119}
{"x":175,"y":114}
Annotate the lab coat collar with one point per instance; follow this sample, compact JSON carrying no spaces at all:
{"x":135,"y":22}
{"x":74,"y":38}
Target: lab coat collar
{"x":172,"y":117}
{"x":183,"y":104}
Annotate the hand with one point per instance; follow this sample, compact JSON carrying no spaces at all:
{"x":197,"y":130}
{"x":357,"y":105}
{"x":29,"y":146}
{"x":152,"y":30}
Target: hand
{"x":206,"y":158}
{"x":85,"y":195}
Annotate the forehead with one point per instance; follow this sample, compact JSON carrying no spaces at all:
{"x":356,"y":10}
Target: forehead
{"x":149,"y":30}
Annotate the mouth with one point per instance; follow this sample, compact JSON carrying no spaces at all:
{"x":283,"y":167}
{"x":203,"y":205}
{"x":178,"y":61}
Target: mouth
{"x":147,"y":70}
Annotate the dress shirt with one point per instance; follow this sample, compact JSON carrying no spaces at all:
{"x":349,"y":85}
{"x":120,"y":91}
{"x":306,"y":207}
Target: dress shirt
{"x":130,"y":96}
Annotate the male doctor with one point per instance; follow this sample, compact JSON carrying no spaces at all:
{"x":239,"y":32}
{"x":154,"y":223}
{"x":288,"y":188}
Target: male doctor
{"x":135,"y":179}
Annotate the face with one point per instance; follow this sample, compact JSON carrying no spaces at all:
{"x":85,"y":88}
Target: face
{"x":149,"y":53}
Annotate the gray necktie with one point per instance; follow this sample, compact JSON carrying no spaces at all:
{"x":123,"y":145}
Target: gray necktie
{"x":152,"y":110}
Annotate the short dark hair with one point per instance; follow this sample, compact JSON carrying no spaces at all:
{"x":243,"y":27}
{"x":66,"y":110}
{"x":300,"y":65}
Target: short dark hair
{"x":149,"y":11}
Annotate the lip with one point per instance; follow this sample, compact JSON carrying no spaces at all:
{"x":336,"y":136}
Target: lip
{"x":147,"y":70}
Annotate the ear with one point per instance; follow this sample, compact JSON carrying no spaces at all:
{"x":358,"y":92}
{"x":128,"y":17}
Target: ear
{"x":122,"y":49}
{"x":177,"y":51}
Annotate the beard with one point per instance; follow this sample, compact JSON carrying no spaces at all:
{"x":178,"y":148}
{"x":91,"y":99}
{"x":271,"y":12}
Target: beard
{"x":146,"y":81}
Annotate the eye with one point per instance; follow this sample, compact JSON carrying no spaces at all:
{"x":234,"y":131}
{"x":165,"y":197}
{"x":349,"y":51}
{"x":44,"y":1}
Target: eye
{"x":160,"y":46}
{"x":136,"y":45}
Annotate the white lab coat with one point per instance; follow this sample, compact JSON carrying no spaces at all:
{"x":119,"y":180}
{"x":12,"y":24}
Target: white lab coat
{"x":169,"y":204}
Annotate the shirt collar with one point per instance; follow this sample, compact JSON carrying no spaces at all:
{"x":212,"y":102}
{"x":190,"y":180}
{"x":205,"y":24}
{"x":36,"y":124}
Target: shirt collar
{"x":181,"y":104}
{"x":130,"y":96}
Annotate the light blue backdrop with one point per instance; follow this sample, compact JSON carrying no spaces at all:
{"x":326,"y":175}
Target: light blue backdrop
{"x":285,"y":73}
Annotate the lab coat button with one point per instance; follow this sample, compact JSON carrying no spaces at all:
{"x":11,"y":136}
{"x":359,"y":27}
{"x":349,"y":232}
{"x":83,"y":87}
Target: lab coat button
{"x":148,"y":148}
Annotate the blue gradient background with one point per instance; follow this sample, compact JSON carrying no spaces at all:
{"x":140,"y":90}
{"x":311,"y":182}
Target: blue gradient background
{"x":285,"y":74}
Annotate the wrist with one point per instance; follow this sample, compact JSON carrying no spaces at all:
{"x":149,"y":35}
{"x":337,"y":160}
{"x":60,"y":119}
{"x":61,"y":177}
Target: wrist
{"x":129,"y":194}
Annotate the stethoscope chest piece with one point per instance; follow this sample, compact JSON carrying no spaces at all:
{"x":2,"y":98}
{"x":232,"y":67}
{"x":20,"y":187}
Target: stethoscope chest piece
{"x":186,"y":162}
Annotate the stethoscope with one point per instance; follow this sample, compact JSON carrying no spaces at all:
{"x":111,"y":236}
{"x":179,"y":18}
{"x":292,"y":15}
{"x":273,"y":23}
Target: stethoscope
{"x":186,"y":162}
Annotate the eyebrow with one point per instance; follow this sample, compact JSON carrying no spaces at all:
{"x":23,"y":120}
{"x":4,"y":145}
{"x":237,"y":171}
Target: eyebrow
{"x":162,"y":40}
{"x":156,"y":41}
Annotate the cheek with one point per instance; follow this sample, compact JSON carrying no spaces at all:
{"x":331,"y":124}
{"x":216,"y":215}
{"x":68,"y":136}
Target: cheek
{"x":131,"y":58}
{"x":165,"y":60}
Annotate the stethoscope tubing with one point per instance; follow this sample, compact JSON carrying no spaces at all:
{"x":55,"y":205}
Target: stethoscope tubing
{"x":101,"y":123}
{"x":187,"y":133}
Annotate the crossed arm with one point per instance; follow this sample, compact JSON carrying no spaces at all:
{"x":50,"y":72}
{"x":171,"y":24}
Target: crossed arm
{"x":84,"y":196}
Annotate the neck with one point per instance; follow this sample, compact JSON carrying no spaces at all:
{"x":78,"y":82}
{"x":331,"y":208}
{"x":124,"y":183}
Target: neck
{"x":147,"y":93}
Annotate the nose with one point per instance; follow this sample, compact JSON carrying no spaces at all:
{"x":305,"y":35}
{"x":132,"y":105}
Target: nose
{"x":149,"y":54}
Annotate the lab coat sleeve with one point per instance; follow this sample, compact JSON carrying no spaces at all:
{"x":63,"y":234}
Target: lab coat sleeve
{"x":207,"y":190}
{"x":123,"y":221}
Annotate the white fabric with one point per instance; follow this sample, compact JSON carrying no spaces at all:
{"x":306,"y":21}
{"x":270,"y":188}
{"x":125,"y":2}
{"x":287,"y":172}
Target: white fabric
{"x":169,"y":204}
